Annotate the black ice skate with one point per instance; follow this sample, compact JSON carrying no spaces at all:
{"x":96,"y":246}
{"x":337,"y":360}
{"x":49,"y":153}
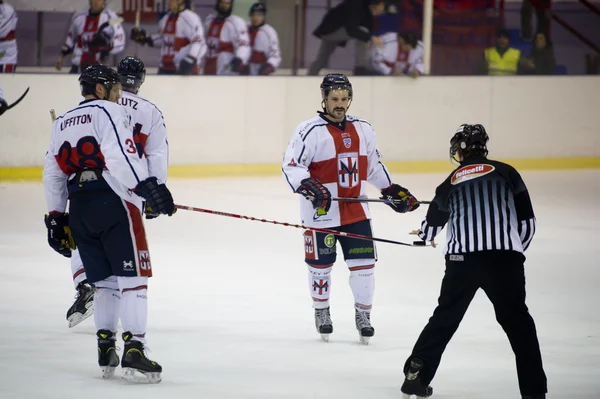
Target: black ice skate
{"x":83,"y":307}
{"x":363,"y":325}
{"x":540,"y":396}
{"x":134,"y":359}
{"x":108,"y":360}
{"x":323,"y":323}
{"x":412,"y":383}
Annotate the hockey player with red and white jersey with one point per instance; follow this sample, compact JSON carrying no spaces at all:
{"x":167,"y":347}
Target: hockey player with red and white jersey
{"x":8,"y":38}
{"x":181,"y":40}
{"x":151,"y":143}
{"x":228,"y":41}
{"x":410,"y":56}
{"x":92,"y":162}
{"x":93,"y":35}
{"x":266,"y":55}
{"x":383,"y":58}
{"x":335,"y":155}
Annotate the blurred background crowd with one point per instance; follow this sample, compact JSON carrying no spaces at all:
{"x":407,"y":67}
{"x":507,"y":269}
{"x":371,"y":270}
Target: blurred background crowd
{"x":304,"y":37}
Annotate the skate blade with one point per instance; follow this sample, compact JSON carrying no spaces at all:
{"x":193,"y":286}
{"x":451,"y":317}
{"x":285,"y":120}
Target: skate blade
{"x":129,"y":374}
{"x":364,"y":340}
{"x":107,"y":372}
{"x":325,"y":337}
{"x":407,"y":396}
{"x":77,"y":318}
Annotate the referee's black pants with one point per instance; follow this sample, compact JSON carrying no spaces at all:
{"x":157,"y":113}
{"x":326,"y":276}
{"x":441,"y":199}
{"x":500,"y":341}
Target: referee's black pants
{"x":501,"y":275}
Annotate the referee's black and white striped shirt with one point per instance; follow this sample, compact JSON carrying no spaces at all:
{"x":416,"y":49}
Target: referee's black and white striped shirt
{"x":487,"y":208}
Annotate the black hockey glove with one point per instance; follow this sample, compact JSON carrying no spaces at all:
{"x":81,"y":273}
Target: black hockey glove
{"x":315,"y":192}
{"x":266,"y":69}
{"x":186,"y":65}
{"x":59,"y":233}
{"x":3,"y":106}
{"x":400,"y":199}
{"x":150,"y":213}
{"x":100,"y":43}
{"x":235,"y":64}
{"x":157,"y":196}
{"x":140,"y":36}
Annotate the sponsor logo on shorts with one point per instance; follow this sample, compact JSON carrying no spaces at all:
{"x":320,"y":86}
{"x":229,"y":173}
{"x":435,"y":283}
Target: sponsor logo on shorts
{"x":127,"y":265}
{"x":366,"y":250}
{"x":145,"y":260}
{"x":326,"y":251}
{"x":329,"y":240}
{"x":471,"y":172}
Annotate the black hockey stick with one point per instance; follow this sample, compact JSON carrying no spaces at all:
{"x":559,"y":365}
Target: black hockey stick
{"x":110,"y":22}
{"x":385,"y":201}
{"x":18,"y":100}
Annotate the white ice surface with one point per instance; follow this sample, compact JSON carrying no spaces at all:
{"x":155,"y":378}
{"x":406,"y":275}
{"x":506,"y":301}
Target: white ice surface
{"x":230,"y":315}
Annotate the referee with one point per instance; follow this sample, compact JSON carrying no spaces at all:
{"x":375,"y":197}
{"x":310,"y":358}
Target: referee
{"x":490,"y":224}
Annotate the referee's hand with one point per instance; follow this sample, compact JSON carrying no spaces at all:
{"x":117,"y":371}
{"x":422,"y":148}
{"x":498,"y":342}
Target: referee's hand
{"x":416,"y":233}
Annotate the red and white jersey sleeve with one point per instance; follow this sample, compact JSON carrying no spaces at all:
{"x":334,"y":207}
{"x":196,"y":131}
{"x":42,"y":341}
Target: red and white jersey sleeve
{"x":226,"y":38}
{"x":343,"y":160}
{"x":179,"y":35}
{"x":149,"y":133}
{"x":8,"y":38}
{"x":383,"y":58}
{"x":95,"y":135}
{"x":82,"y":29}
{"x":265,"y":47}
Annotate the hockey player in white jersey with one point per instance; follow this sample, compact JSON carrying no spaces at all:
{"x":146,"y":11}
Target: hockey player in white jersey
{"x":150,"y":138}
{"x":410,"y":56}
{"x":228,"y":41}
{"x":93,"y":162}
{"x":266,"y":54}
{"x":180,"y":37}
{"x":335,"y":155}
{"x":93,"y":35}
{"x":8,"y":38}
{"x":383,"y":58}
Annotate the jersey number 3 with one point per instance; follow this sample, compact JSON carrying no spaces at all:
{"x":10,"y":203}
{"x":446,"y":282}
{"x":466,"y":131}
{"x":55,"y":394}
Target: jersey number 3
{"x":137,"y":144}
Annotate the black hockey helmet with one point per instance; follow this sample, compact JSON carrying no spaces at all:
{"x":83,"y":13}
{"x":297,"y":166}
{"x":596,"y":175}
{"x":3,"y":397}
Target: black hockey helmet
{"x":133,"y":73}
{"x":258,"y":8}
{"x":469,"y":140}
{"x":98,"y":74}
{"x":223,"y":13}
{"x":335,"y":81}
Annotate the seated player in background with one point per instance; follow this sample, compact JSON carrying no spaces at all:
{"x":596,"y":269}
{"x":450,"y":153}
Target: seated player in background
{"x":228,"y":41}
{"x":86,"y":42}
{"x":8,"y":38}
{"x":410,"y":56}
{"x":180,"y":37}
{"x":383,"y":58}
{"x":266,"y":55}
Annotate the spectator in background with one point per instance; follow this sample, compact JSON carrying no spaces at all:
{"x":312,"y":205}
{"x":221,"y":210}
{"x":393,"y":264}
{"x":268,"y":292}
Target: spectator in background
{"x":384,"y":58}
{"x":86,"y":42}
{"x":351,"y":19}
{"x":541,"y":14}
{"x":410,"y":56}
{"x":541,"y":60}
{"x":265,"y":56}
{"x":501,"y":59}
{"x":8,"y":39}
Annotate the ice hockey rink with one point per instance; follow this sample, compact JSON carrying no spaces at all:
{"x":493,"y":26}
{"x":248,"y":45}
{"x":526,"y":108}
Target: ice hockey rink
{"x":230,"y":316}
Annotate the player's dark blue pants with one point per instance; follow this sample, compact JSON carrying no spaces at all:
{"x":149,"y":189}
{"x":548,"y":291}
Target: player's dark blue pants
{"x":501,"y":275}
{"x":109,"y":234}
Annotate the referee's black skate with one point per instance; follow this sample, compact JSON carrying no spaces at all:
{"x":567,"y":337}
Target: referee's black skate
{"x":540,"y":396}
{"x":108,"y":360}
{"x":363,"y":325}
{"x":412,"y":383}
{"x":323,"y":323}
{"x":83,"y":307}
{"x":134,"y":359}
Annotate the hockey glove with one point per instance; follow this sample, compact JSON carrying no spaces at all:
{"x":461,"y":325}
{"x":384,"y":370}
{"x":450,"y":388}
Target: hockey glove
{"x":59,"y":233}
{"x":139,"y":36}
{"x":266,"y":69}
{"x":186,"y":65}
{"x":236,"y":64}
{"x":157,"y":196}
{"x":100,"y":43}
{"x":3,"y":106}
{"x":400,"y":199}
{"x":315,"y":192}
{"x":150,"y":213}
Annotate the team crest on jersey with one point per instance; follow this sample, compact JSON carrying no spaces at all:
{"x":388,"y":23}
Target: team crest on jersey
{"x":215,"y":30}
{"x":347,"y":142}
{"x":90,"y":26}
{"x":471,"y":172}
{"x":348,"y":169}
{"x":145,"y":260}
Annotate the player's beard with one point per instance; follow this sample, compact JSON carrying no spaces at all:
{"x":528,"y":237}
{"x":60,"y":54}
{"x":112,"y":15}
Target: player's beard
{"x":338,"y":112}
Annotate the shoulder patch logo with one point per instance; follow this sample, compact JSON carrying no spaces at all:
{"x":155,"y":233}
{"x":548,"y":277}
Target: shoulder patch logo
{"x":471,"y":172}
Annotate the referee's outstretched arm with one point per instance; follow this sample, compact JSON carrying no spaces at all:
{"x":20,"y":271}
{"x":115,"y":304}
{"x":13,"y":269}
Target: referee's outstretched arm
{"x":436,"y":219}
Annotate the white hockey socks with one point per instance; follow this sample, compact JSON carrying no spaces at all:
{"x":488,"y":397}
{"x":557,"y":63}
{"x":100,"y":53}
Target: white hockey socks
{"x":134,"y":306}
{"x":77,"y":270}
{"x":106,"y":304}
{"x":362,"y":283}
{"x":319,"y":284}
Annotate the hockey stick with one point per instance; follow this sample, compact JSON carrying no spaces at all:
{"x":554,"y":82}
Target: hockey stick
{"x":298,"y":226}
{"x":18,"y":100}
{"x":110,"y":22}
{"x":385,"y":201}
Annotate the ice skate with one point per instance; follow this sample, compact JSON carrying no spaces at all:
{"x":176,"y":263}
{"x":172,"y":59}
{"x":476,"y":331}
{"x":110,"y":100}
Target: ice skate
{"x":363,"y":325}
{"x":134,"y":359}
{"x":108,"y":360}
{"x":83,"y":307}
{"x":412,"y":383}
{"x":540,"y":396}
{"x":323,"y":323}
